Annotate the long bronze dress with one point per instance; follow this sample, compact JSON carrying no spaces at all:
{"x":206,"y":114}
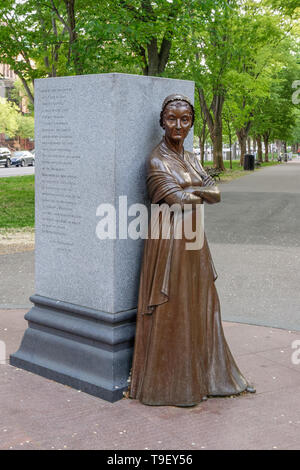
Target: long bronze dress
{"x":180,"y":353}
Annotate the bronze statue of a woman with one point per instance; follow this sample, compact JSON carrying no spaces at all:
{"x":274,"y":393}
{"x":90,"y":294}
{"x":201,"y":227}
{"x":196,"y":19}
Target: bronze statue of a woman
{"x":181,"y":356}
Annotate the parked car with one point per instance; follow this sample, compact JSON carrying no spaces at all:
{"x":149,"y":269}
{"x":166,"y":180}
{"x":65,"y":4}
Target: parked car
{"x":22,"y":158}
{"x":5,"y":156}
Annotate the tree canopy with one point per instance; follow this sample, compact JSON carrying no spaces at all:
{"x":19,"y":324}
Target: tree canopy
{"x":242,"y":54}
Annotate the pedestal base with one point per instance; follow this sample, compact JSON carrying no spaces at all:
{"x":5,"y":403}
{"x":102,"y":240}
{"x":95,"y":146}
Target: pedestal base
{"x":84,"y":348}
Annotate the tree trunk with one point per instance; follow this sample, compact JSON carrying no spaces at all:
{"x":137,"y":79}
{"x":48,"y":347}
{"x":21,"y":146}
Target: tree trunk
{"x":201,"y":146}
{"x":164,"y":54}
{"x":284,"y":146}
{"x":213,"y":117}
{"x":278,"y":145}
{"x":26,"y":86}
{"x":249,"y":144}
{"x":230,"y":142}
{"x":217,"y":139}
{"x":234,"y":151}
{"x":152,"y":58}
{"x":259,"y":148}
{"x":242,"y":137}
{"x":202,"y":139}
{"x":157,"y":59}
{"x":70,"y":6}
{"x":266,"y":143}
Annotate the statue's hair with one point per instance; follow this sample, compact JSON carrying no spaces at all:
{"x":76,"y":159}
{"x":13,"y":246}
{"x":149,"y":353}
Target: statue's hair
{"x":176,"y":97}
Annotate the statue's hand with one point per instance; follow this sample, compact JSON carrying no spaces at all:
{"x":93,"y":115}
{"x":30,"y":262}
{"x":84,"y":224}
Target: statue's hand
{"x":192,"y":189}
{"x":195,"y":191}
{"x":210,"y":194}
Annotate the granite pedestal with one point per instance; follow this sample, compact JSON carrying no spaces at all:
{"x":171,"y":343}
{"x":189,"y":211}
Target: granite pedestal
{"x":93,"y":135}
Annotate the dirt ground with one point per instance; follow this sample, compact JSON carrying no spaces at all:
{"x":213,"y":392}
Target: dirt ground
{"x":16,"y":240}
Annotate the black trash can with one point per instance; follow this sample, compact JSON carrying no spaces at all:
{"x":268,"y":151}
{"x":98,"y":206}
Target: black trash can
{"x":249,"y":162}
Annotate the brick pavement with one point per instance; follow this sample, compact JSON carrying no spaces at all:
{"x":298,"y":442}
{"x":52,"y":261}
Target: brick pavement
{"x":36,"y":413}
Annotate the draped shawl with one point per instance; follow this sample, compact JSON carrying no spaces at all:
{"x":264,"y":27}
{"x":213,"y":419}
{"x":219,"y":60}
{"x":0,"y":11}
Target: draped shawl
{"x":167,"y":175}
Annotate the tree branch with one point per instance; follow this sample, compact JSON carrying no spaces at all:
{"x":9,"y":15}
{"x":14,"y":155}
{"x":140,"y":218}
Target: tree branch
{"x":164,"y":53}
{"x":61,"y":19}
{"x":205,"y":110}
{"x":25,"y":84}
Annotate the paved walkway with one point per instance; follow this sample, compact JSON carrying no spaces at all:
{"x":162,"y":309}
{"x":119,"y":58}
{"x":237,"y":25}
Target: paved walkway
{"x":16,"y":279}
{"x":254,"y":239}
{"x":36,"y":413}
{"x":255,"y":243}
{"x":254,"y":235}
{"x":14,"y":171}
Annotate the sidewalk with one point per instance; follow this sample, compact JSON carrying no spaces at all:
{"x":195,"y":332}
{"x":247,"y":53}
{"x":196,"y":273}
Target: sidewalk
{"x":36,"y":413}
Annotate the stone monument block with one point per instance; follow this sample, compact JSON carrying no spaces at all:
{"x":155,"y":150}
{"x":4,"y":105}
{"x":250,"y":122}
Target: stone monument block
{"x":93,"y":135}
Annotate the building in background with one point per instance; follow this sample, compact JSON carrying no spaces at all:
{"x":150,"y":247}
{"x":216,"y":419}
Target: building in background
{"x":7,"y":79}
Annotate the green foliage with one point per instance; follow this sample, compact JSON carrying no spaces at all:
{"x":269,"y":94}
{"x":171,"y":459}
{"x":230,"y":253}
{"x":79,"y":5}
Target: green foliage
{"x":8,"y":118}
{"x":25,"y":126}
{"x":249,"y":80}
{"x":13,"y":123}
{"x":290,"y":7}
{"x":240,"y":53}
{"x":130,"y":35}
{"x":295,"y":134}
{"x":18,"y":93}
{"x":276,"y":114}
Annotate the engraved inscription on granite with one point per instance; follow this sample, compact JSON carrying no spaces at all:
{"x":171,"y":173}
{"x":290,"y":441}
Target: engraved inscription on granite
{"x":59,"y":197}
{"x":93,"y":134}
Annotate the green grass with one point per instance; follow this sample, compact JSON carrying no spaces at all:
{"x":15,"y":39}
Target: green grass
{"x":17,"y":202}
{"x":17,"y":196}
{"x":237,"y":170}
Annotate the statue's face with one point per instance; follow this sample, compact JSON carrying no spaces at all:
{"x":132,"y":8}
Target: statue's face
{"x":177,"y":120}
